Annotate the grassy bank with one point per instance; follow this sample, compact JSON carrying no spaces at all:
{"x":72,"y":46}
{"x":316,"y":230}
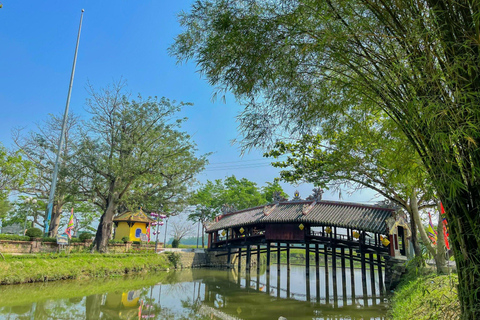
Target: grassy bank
{"x":426,"y":297}
{"x":50,"y":267}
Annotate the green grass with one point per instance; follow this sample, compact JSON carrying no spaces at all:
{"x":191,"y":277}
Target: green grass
{"x":49,"y":267}
{"x":426,"y":297}
{"x":23,"y":294}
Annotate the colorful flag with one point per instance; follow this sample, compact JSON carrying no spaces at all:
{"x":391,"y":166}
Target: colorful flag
{"x":432,"y":234}
{"x":69,"y":229}
{"x":445,"y":227}
{"x":148,"y":232}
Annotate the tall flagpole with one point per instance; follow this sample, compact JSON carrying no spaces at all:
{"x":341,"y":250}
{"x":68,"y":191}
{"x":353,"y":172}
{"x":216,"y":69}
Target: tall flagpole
{"x":62,"y":136}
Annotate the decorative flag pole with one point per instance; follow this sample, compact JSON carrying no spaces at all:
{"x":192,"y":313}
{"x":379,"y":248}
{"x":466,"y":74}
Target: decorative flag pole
{"x":62,"y":135}
{"x":69,"y":229}
{"x":159,"y":222}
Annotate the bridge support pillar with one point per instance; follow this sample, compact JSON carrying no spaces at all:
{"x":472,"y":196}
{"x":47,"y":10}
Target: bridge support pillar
{"x":372,"y":275}
{"x":334,"y":275}
{"x":258,"y":259}
{"x":239,"y":260}
{"x":317,"y":263}
{"x":344,"y":277}
{"x":249,"y":258}
{"x":268,"y":258}
{"x":278,"y":258}
{"x":307,"y":260}
{"x":327,"y":280}
{"x":288,"y":256}
{"x":364,"y":273}
{"x":352,"y":274}
{"x":229,"y":257}
{"x":380,"y":274}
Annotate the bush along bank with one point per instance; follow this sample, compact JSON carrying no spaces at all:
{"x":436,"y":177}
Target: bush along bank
{"x":427,"y":296}
{"x":50,"y":267}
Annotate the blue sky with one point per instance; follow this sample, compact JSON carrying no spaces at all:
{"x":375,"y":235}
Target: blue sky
{"x":119,"y":38}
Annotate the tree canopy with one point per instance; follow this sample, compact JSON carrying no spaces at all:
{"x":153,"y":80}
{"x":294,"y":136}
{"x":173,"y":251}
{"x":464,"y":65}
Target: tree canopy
{"x":297,"y":63}
{"x":133,"y":151}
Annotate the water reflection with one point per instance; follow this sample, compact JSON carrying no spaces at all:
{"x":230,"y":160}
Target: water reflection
{"x":199,"y":294}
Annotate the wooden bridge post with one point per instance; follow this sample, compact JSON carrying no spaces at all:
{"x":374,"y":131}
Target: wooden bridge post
{"x":364,"y":271}
{"x":317,"y":263}
{"x":352,"y":275}
{"x":229,"y":257}
{"x":268,"y":257}
{"x":288,"y":256}
{"x":239,"y":260}
{"x":372,"y":275}
{"x":334,"y":274}
{"x":380,"y":274}
{"x":307,"y":260}
{"x":278,"y":258}
{"x":249,"y":259}
{"x":258,"y":258}
{"x":327,"y":280}
{"x":344,"y":278}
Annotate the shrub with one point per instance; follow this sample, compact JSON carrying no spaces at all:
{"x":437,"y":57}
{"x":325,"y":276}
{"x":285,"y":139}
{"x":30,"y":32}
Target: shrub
{"x":175,"y":243}
{"x":85,"y":236}
{"x":13,"y":237}
{"x":75,"y":240}
{"x":174,"y":258}
{"x":49,"y":239}
{"x":34,"y":233}
{"x":125,"y":239}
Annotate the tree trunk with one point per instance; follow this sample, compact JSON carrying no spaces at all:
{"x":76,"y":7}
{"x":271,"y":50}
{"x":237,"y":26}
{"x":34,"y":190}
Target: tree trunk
{"x":104,"y":229}
{"x":203,"y":235}
{"x":416,"y":215}
{"x":414,"y":240}
{"x":55,"y":220}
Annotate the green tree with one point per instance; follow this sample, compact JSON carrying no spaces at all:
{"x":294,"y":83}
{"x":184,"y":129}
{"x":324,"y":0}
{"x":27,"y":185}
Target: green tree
{"x":353,"y":154}
{"x":40,"y":148}
{"x":212,"y":197}
{"x":296,"y":63}
{"x":128,"y":145}
{"x":14,"y":171}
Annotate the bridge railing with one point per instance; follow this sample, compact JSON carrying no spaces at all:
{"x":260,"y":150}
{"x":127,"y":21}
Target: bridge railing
{"x":368,"y":241}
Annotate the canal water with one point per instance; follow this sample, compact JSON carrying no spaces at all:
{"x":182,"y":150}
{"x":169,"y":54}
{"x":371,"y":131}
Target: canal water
{"x":198,"y":294}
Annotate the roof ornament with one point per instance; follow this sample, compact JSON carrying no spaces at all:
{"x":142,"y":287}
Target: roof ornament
{"x":316,"y":195}
{"x":227,"y":208}
{"x":308,"y":207}
{"x":296,"y":196}
{"x":277,"y":197}
{"x":387,"y":203}
{"x":268,"y":209}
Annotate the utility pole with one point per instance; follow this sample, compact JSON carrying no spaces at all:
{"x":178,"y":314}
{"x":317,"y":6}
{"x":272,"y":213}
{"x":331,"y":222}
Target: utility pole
{"x":62,"y":135}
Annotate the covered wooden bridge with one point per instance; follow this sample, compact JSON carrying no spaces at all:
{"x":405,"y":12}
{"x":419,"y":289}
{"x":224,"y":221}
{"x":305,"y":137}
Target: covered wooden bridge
{"x":334,"y":230}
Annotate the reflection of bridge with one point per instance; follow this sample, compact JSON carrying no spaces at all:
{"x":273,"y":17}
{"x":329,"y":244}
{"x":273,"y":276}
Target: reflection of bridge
{"x":335,"y":231}
{"x":227,"y":298}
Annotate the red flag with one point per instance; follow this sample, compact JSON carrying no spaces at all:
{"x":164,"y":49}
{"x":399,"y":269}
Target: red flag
{"x":148,"y":232}
{"x":69,"y":229}
{"x":445,"y":227}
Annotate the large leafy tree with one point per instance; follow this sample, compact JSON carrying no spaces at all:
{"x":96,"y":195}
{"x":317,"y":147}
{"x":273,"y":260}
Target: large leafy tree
{"x":131,"y":148}
{"x":40,"y":148}
{"x":365,"y":151}
{"x":233,"y":194}
{"x":295,"y":63}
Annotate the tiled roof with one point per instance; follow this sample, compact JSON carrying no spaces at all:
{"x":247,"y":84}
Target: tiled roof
{"x":328,"y":213}
{"x":138,"y":216}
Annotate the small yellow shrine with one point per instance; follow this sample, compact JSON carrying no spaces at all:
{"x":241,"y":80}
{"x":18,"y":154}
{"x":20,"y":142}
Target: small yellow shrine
{"x":132,"y":225}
